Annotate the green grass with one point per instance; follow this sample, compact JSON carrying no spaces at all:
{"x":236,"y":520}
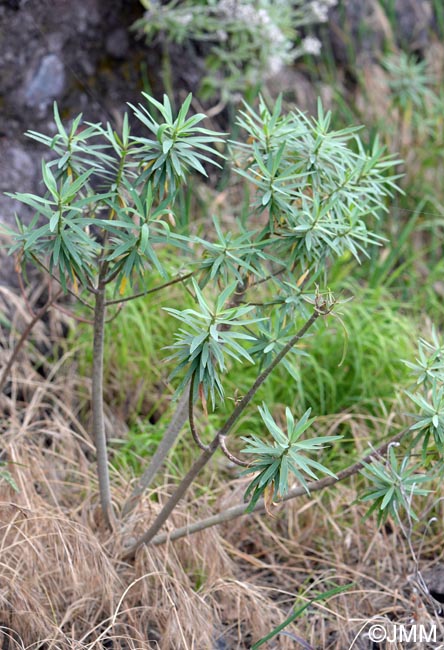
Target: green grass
{"x":357,"y":364}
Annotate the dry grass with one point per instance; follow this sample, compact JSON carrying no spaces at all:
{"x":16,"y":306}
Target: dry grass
{"x":62,"y":584}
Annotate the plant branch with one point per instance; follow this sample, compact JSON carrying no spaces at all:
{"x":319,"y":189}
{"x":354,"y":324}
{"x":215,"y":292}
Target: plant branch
{"x":71,"y":314}
{"x":229,"y":455}
{"x":175,"y":426}
{"x":114,"y":316}
{"x":91,"y":288}
{"x":72,"y":293}
{"x":208,"y":453}
{"x":240,"y":510}
{"x":36,"y":317}
{"x":97,"y":403}
{"x":174,"y":499}
{"x":153,"y":290}
{"x":81,"y":319}
{"x":275,"y":274}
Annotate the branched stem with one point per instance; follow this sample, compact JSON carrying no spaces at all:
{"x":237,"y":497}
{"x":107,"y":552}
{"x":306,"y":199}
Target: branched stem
{"x":206,"y":455}
{"x":175,"y":426}
{"x":71,"y":314}
{"x":239,"y":511}
{"x":81,"y":319}
{"x":180,"y":278}
{"x":229,"y":455}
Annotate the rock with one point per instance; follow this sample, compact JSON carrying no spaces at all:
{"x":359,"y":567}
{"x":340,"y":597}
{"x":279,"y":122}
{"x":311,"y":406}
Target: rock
{"x":358,"y":31}
{"x":414,"y":20}
{"x":46,"y":84}
{"x":117,"y":43}
{"x":13,"y":4}
{"x":18,"y":174}
{"x":434,"y":579}
{"x":220,"y":643}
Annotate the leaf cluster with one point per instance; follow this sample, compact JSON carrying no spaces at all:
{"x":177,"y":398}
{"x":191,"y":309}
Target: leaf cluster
{"x":409,"y":81}
{"x":429,"y":394}
{"x":430,"y":421}
{"x":318,"y":187}
{"x":393,"y":486}
{"x":110,"y":197}
{"x":429,"y":364}
{"x":395,"y":482}
{"x":286,"y":455}
{"x":210,"y":338}
{"x":180,"y":145}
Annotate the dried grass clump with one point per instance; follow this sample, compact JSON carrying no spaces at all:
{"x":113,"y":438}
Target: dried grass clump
{"x":62,"y":583}
{"x":55,"y":575}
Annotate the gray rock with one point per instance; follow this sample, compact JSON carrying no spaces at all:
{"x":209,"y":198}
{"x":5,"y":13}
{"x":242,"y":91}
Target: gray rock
{"x":46,"y":84}
{"x":434,"y":579}
{"x":221,"y":644}
{"x":18,"y":175}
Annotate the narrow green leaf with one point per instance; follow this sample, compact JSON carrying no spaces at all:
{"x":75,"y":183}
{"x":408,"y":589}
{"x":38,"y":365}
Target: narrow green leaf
{"x":54,"y":221}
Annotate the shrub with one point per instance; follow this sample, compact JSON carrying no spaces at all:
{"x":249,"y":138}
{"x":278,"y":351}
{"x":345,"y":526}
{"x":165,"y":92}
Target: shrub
{"x":109,"y":208}
{"x":246,"y":41}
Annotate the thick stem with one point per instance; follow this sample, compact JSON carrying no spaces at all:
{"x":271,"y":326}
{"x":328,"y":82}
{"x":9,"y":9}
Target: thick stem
{"x":175,"y":426}
{"x":174,"y":499}
{"x":239,"y":511}
{"x":97,"y":407}
{"x":208,"y":453}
